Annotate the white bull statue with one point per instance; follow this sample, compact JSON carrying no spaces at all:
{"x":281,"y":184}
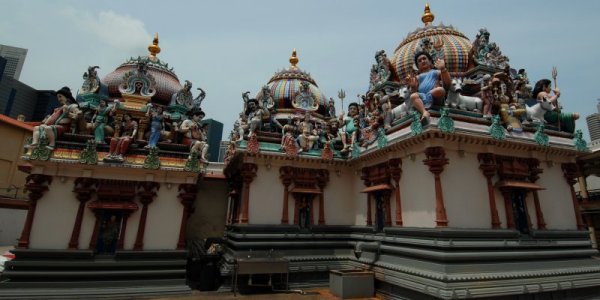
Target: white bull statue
{"x":536,"y":112}
{"x":456,"y":100}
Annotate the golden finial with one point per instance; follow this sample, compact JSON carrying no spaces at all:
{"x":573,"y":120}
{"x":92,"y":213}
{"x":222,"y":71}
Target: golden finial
{"x":293,"y":59}
{"x":427,"y":17}
{"x":154,"y":48}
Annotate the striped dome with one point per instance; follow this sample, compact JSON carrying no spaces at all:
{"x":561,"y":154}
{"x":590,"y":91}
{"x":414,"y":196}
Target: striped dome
{"x":456,"y":49}
{"x":286,"y":83}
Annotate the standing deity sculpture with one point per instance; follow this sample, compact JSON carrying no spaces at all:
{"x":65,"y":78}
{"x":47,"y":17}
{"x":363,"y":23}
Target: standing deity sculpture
{"x":349,"y":128}
{"x":156,"y":124}
{"x":100,"y":119}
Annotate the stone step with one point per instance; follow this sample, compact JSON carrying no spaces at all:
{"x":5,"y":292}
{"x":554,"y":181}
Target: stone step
{"x":95,"y":289}
{"x":82,"y":275}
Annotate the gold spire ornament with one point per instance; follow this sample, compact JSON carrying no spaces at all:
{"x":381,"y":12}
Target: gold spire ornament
{"x":293,"y":59}
{"x":154,"y":48}
{"x":427,"y":17}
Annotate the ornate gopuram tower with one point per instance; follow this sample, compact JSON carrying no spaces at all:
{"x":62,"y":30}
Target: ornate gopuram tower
{"x":113,"y":183}
{"x":453,"y":178}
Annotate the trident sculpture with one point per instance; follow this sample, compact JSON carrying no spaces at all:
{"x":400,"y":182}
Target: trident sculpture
{"x":554,"y":75}
{"x":342,"y":95}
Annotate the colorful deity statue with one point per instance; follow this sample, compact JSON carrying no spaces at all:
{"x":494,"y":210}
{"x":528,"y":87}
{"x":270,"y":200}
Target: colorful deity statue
{"x":308,"y":134}
{"x":305,"y":99}
{"x":119,"y":145}
{"x":195,"y":133}
{"x":425,"y":86}
{"x":91,"y":82}
{"x":157,"y":117}
{"x":544,"y":92}
{"x":349,"y":127}
{"x":100,"y":119}
{"x":59,"y":122}
{"x":265,"y":99}
{"x":184,"y":96}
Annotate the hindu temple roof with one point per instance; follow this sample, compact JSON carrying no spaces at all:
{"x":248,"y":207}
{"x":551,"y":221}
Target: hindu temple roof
{"x":167,"y":82}
{"x":285,"y":83}
{"x":451,"y":43}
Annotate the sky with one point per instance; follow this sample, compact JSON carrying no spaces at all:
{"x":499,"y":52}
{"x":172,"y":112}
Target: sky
{"x":227,"y":47}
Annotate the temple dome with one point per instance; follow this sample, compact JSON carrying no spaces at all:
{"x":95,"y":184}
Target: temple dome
{"x":166,"y":83}
{"x":455,"y":48}
{"x":285,"y":84}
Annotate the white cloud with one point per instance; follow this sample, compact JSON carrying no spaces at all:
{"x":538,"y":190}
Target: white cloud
{"x":122,"y":32}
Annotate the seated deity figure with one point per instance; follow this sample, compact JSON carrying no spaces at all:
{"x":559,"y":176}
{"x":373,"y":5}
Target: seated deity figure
{"x":510,"y":112}
{"x":194,"y":134}
{"x":119,"y":146}
{"x":425,"y":86}
{"x":566,"y":121}
{"x":266,"y":100}
{"x":304,"y":97}
{"x":255,"y":115}
{"x":100,"y":119}
{"x":307,"y":136}
{"x":348,"y":127}
{"x":288,"y":141}
{"x":55,"y":124}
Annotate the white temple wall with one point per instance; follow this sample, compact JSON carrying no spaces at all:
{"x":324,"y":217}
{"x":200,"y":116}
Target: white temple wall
{"x":465,"y":192}
{"x":133,"y":223}
{"x":417,"y":190}
{"x":163,"y":221}
{"x":55,"y":216}
{"x":360,"y":199}
{"x":530,"y":202}
{"x":266,"y":196}
{"x":341,"y":192}
{"x":555,"y":200}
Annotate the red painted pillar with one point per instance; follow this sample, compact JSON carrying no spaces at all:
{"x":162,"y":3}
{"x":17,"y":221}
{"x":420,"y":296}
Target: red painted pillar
{"x":187,"y":193}
{"x":248,"y":174}
{"x":83,"y":189}
{"x":487,"y":164}
{"x":147,"y":191}
{"x":36,"y":185}
{"x":436,"y":159}
{"x":570,"y":173}
{"x":396,"y":173}
{"x":285,"y":173}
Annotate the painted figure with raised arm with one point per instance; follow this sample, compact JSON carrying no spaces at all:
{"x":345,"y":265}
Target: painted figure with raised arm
{"x":194,"y":133}
{"x":425,"y":86}
{"x":100,"y":119}
{"x":156,"y":124}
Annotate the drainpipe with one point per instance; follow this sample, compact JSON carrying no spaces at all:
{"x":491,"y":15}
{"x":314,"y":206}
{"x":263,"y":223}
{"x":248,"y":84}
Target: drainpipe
{"x":359,"y":246}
